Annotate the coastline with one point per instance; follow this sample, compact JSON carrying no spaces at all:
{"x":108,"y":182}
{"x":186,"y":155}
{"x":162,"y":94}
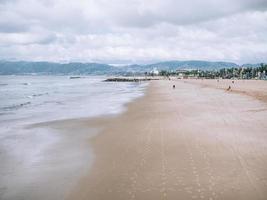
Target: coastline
{"x":44,"y":152}
{"x":197,"y":141}
{"x":191,"y":142}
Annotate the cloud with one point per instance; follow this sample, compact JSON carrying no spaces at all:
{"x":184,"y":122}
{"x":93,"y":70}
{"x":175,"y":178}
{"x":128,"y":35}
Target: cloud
{"x":148,"y":13}
{"x":134,"y":30}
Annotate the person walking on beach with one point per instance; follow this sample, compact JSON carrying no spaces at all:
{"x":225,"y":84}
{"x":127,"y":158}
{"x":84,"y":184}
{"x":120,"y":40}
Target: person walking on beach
{"x":173,"y":86}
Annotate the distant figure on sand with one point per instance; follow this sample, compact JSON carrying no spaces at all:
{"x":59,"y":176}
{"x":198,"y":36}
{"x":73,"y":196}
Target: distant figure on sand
{"x":229,"y":88}
{"x":173,"y":86}
{"x":233,"y":82}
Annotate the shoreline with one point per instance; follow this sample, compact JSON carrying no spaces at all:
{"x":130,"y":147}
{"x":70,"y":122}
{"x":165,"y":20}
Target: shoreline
{"x":44,"y":160}
{"x":196,"y":141}
{"x":149,"y":155}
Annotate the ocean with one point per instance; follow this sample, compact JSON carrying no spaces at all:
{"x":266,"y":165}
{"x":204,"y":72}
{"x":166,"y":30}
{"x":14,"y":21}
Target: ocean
{"x":47,"y":98}
{"x":30,"y":154}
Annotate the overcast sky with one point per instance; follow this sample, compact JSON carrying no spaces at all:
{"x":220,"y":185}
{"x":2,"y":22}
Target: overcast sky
{"x":134,"y":31}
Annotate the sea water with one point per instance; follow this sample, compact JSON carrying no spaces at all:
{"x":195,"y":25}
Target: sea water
{"x":36,"y":160}
{"x":43,"y":98}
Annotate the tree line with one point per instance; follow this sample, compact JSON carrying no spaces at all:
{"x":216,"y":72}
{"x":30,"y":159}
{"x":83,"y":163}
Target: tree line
{"x":225,"y":73}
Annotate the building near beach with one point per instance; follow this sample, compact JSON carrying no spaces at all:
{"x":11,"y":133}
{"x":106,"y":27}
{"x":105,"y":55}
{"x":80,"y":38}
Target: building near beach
{"x":154,"y":72}
{"x":181,"y":73}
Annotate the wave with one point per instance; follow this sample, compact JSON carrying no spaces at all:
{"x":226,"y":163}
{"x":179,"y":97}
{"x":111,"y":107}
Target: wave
{"x":54,"y":102}
{"x":3,"y":84}
{"x":16,"y":106}
{"x":25,"y":83}
{"x":37,"y":95}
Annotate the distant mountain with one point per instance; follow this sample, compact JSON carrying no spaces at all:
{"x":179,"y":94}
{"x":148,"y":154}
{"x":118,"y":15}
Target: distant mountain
{"x":50,"y":68}
{"x":252,"y":65}
{"x":22,"y":67}
{"x":174,"y":65}
{"x":195,"y":64}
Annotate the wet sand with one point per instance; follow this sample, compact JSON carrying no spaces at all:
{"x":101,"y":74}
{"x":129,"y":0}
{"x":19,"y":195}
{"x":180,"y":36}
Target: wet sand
{"x":53,"y":157}
{"x":192,"y":142}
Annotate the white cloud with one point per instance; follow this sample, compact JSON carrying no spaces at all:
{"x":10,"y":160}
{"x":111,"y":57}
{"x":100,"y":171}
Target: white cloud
{"x":134,"y":30}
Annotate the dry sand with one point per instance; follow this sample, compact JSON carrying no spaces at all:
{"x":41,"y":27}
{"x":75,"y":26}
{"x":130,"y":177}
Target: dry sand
{"x":192,"y":142}
{"x":254,"y":88}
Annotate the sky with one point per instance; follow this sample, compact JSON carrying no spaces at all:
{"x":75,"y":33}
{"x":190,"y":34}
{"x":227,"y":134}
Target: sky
{"x":133,"y":31}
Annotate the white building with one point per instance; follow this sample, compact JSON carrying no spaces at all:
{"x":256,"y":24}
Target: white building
{"x":154,"y":72}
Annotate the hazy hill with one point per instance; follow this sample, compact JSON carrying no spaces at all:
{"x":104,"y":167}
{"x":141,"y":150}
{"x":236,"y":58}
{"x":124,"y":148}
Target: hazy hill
{"x":22,"y":67}
{"x":173,"y":65}
{"x":252,"y":65}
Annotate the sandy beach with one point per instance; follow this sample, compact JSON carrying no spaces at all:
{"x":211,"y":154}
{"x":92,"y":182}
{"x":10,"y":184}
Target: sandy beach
{"x":197,"y":141}
{"x":253,"y":88}
{"x":133,"y":100}
{"x":192,"y":142}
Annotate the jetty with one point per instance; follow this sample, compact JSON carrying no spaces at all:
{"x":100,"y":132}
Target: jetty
{"x":131,"y":79}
